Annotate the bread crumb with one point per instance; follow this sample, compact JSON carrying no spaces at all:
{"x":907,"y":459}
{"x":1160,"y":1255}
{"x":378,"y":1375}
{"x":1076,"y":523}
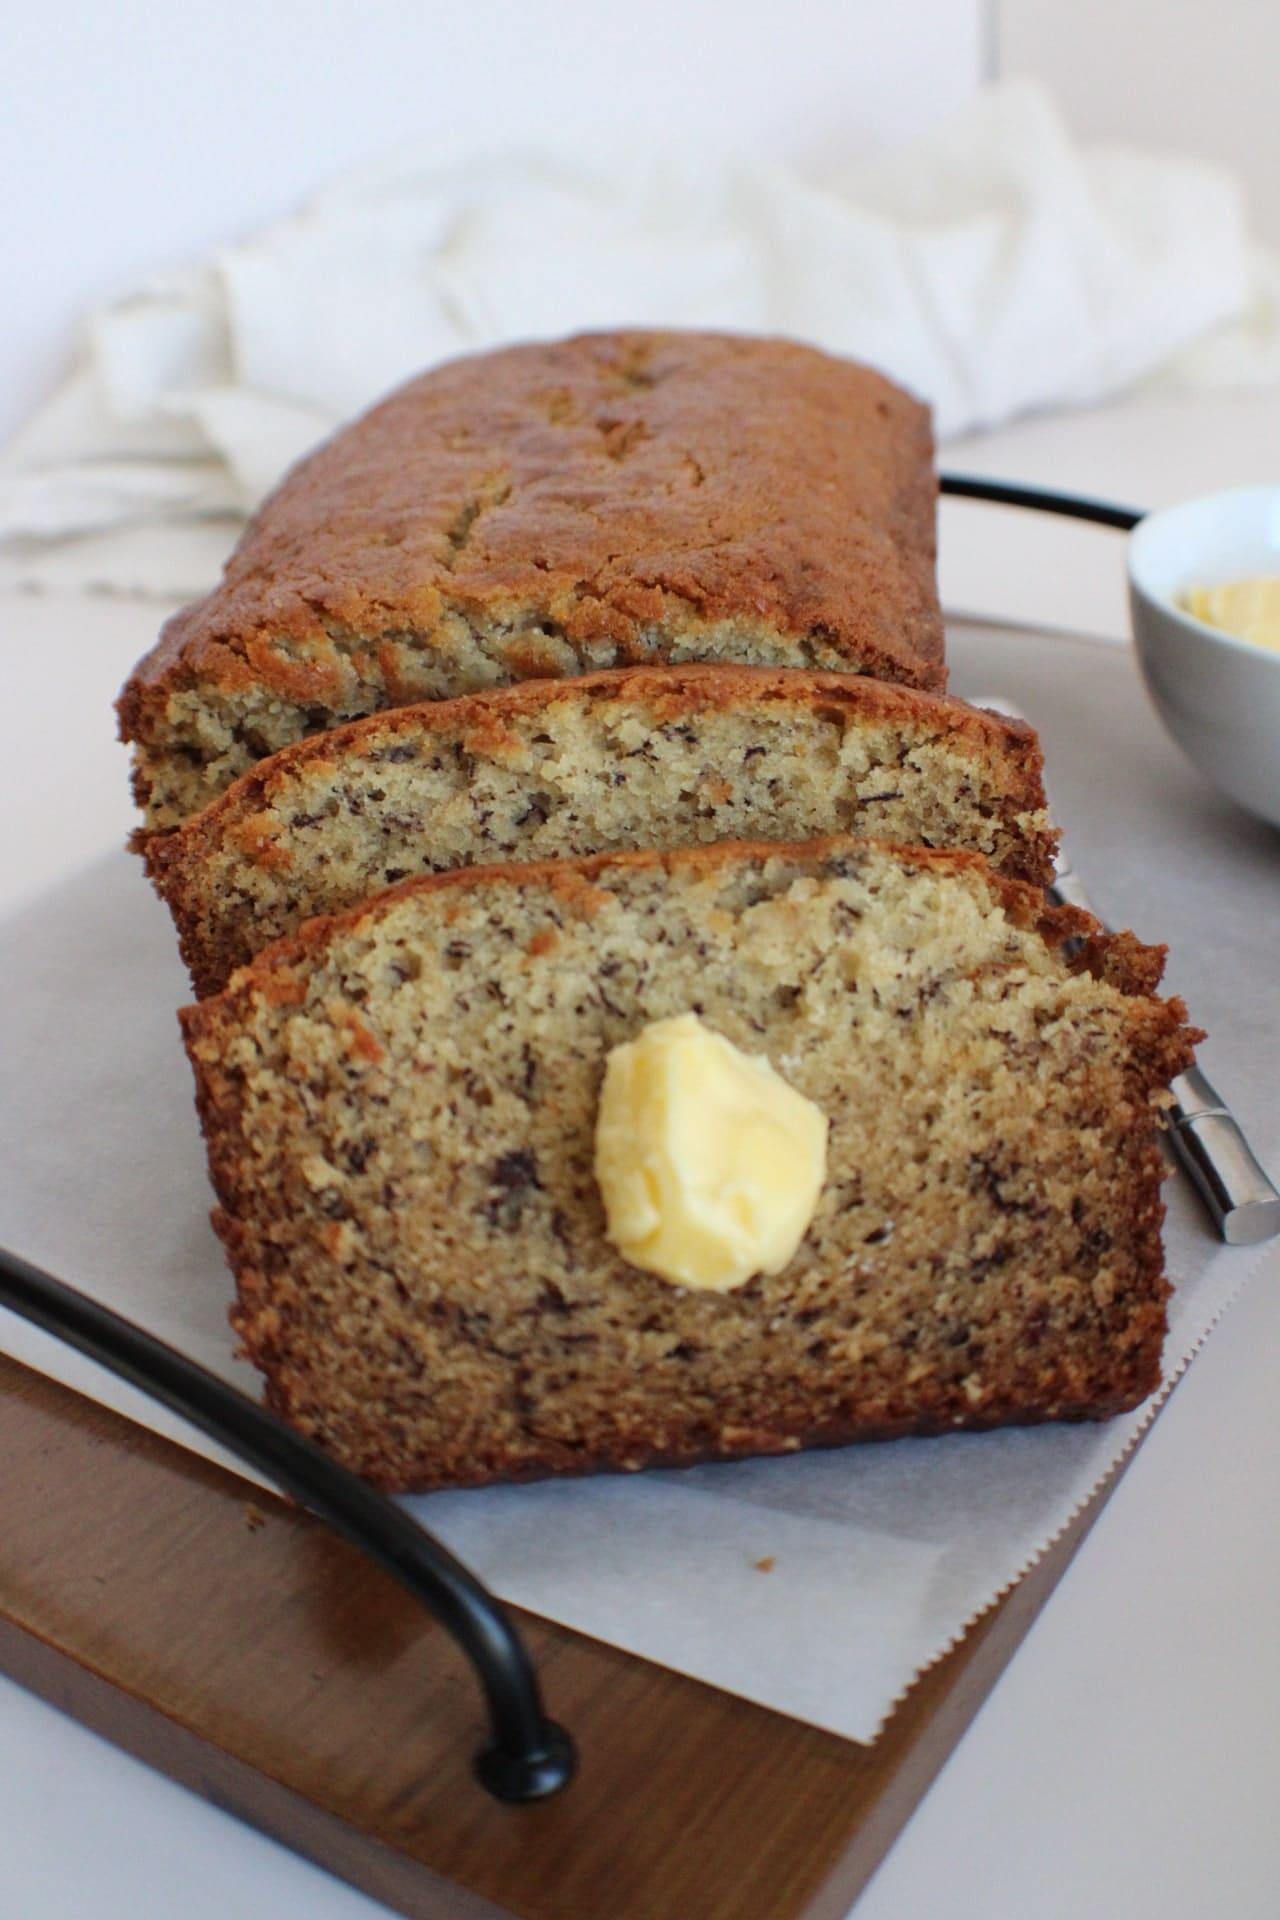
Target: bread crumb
{"x":766,"y":1565}
{"x":1013,"y":1168}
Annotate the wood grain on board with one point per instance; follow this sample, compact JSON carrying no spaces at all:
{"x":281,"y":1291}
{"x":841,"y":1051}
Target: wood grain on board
{"x":234,"y":1643}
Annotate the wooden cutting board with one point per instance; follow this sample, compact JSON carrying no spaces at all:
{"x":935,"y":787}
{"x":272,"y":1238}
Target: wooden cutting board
{"x":234,"y":1643}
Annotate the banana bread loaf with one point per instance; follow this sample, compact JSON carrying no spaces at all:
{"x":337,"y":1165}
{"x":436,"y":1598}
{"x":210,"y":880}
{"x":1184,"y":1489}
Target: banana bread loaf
{"x":651,"y":757}
{"x":549,"y":510}
{"x":400,"y":1102}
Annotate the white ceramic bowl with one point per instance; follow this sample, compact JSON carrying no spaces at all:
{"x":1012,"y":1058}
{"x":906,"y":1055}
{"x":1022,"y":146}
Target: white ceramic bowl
{"x":1218,"y":696}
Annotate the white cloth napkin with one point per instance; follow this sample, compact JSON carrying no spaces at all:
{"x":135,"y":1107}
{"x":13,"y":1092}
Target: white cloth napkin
{"x":993,"y":267}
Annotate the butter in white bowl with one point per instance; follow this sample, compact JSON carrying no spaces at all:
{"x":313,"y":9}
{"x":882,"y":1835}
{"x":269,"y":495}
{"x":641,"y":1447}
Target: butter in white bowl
{"x":1204,"y":597}
{"x":1249,"y":609}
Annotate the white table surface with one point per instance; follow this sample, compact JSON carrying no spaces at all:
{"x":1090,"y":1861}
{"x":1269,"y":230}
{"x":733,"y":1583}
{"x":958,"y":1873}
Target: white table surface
{"x":1127,"y":1766}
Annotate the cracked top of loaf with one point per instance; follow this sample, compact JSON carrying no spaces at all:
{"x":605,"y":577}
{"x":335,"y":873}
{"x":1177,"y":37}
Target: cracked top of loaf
{"x":552,"y":509}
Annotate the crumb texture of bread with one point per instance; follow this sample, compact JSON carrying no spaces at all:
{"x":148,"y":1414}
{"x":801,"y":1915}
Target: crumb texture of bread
{"x":399,"y":1105}
{"x":548,"y":510}
{"x":673,"y":756}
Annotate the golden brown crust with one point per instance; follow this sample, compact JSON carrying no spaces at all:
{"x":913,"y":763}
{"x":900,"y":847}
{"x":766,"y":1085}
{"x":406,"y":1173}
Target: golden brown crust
{"x":684,"y":691}
{"x":281,"y":970}
{"x":1142,"y":1378}
{"x":212,"y":871}
{"x":1051,"y":1372}
{"x":573,"y":881}
{"x":596,"y":501}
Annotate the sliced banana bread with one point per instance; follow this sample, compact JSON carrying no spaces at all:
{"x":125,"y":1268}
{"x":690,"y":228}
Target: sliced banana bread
{"x":400,"y":1106}
{"x":651,"y":757}
{"x":548,"y":510}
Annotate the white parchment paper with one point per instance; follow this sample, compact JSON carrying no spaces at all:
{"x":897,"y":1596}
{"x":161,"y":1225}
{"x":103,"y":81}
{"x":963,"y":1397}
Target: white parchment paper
{"x":879,"y":1555}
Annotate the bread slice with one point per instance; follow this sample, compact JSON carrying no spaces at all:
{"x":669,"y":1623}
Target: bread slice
{"x":555,"y":509}
{"x":652,"y":757}
{"x":400,"y":1104}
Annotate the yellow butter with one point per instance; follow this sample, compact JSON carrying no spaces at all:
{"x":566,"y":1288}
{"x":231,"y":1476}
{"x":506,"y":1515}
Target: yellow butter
{"x":1249,"y":609}
{"x":709,"y":1164}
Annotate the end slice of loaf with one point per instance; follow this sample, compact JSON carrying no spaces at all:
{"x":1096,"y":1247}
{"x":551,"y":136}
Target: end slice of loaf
{"x":400,"y":1104}
{"x":656,"y":757}
{"x":553,"y":509}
